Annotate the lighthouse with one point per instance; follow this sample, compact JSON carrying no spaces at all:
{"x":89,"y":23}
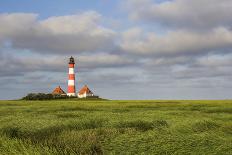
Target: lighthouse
{"x":71,"y":78}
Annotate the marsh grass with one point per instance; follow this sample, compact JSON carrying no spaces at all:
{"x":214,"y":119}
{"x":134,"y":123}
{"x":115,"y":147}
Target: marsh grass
{"x":68,"y":115}
{"x":222,"y":110}
{"x":203,"y":126}
{"x":115,"y":127}
{"x":143,"y":125}
{"x":138,"y":125}
{"x":227,"y":128}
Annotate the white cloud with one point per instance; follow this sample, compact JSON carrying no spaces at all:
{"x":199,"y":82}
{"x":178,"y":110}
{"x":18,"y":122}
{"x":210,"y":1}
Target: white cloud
{"x":183,"y":13}
{"x":215,"y":61}
{"x":104,"y":61}
{"x":64,"y":34}
{"x":36,"y":63}
{"x":173,"y":43}
{"x":15,"y":24}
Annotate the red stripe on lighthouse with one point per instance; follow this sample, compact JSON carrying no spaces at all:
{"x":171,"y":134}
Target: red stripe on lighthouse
{"x":71,"y":65}
{"x":71,"y":76}
{"x":71,"y":89}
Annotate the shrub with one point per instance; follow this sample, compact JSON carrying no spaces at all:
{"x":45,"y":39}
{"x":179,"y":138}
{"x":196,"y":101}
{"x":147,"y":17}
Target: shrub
{"x":43,"y":96}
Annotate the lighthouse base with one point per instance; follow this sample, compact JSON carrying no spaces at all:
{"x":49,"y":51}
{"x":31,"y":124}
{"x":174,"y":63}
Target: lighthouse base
{"x":71,"y":94}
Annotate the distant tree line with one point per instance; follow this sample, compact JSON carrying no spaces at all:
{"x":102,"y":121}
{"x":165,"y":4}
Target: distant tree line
{"x":43,"y":96}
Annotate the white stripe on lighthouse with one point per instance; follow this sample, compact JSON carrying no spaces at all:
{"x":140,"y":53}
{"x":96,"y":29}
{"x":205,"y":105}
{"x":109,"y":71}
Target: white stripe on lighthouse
{"x":71,"y":71}
{"x":71,"y":82}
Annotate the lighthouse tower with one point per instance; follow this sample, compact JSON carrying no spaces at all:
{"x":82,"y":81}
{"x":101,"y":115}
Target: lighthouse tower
{"x":71,"y":78}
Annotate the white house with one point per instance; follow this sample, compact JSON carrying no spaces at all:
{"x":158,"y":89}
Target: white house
{"x":85,"y":92}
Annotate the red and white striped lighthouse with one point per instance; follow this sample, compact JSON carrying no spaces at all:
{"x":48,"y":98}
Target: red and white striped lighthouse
{"x":71,"y":78}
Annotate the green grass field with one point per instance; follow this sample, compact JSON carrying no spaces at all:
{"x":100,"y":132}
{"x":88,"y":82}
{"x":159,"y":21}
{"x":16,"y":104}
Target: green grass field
{"x":115,"y":127}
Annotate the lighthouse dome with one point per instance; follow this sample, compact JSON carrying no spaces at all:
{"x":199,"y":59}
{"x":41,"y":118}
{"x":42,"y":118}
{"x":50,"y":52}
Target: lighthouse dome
{"x":71,"y":60}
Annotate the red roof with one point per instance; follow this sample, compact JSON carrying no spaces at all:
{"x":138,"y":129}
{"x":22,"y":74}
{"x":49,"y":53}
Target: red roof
{"x":58,"y":90}
{"x":84,"y":90}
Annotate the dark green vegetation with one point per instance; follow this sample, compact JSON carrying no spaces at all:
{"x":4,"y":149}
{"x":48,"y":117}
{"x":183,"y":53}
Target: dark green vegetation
{"x":43,"y":96}
{"x":115,"y":127}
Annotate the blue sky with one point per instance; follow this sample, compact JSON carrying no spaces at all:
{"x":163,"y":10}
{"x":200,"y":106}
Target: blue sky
{"x":125,"y":49}
{"x":60,"y":7}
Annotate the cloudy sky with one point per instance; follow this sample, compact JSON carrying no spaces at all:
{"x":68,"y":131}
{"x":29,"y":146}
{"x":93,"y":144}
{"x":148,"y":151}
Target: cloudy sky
{"x":124,"y":49}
